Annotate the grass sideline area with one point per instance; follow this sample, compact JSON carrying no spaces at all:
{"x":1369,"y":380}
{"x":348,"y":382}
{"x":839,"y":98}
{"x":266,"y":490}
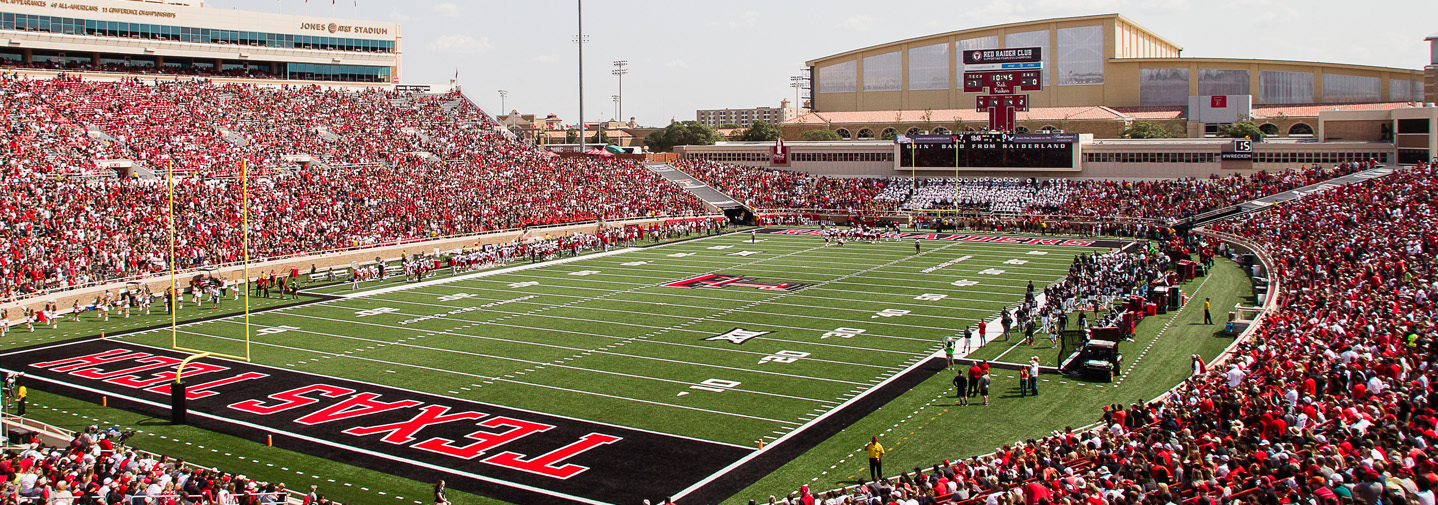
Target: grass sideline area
{"x":926,"y":426}
{"x":577,"y":314}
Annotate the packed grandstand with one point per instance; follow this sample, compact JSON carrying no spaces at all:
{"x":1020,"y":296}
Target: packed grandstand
{"x":1329,"y":403}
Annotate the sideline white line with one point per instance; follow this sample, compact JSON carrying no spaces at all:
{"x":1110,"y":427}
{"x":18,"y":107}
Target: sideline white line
{"x":487,"y":273}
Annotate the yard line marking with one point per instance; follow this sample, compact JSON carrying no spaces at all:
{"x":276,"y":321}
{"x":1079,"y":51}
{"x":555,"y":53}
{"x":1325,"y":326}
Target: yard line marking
{"x":484,"y":273}
{"x":582,"y":369}
{"x":454,"y":372}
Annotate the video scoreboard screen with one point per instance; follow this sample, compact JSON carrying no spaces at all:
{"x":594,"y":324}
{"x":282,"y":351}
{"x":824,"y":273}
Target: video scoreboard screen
{"x":975,"y":150}
{"x":1002,"y":82}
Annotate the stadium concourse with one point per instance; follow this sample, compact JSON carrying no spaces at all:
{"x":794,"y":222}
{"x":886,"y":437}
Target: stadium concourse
{"x":1331,"y":402}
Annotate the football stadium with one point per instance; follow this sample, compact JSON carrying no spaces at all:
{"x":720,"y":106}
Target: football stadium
{"x":241,"y":263}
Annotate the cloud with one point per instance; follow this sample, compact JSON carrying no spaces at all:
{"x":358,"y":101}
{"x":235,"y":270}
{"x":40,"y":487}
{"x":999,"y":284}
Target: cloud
{"x":859,"y":23}
{"x":748,"y":18}
{"x":545,"y":58}
{"x":447,"y":9}
{"x":677,"y":64}
{"x":459,"y":44}
{"x":399,"y":16}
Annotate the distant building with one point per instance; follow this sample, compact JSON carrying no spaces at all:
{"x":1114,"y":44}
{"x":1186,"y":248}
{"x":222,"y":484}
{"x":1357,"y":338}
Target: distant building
{"x":184,"y":37}
{"x":746,"y":117}
{"x":1430,"y":72}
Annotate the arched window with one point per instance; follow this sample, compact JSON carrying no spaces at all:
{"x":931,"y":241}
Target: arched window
{"x":1300,"y":129}
{"x":969,"y":129}
{"x":912,"y":131}
{"x":887,"y":134}
{"x":1021,"y":129}
{"x":844,"y":133}
{"x":1048,"y":128}
{"x":941,"y":131}
{"x":866,"y":134}
{"x":1268,"y":128}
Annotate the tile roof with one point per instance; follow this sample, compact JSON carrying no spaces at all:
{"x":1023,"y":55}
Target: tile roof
{"x":1153,"y":112}
{"x":940,"y":116}
{"x":1312,"y":110}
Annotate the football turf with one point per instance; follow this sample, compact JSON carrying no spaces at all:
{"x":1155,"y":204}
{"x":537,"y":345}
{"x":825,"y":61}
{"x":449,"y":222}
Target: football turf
{"x":602,"y":338}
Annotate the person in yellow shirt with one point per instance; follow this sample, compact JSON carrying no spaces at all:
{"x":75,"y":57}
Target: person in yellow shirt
{"x":21,"y":393}
{"x":1207,"y":317}
{"x":876,"y":459}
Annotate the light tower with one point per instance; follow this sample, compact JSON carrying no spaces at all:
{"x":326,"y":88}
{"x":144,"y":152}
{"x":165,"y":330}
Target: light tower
{"x":621,"y":67}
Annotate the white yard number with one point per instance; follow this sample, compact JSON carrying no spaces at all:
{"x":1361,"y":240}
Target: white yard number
{"x":991,"y":271}
{"x":719,"y":247}
{"x":715,"y":385}
{"x":680,"y":255}
{"x":635,"y":263}
{"x":583,"y":273}
{"x":930,"y":297}
{"x":784,"y":357}
{"x":1015,"y":262}
{"x":524,"y":284}
{"x":746,"y":253}
{"x":456,"y":296}
{"x":964,"y":283}
{"x":1037,"y":253}
{"x":375,"y":312}
{"x":843,"y":333}
{"x":275,"y":329}
{"x":889,"y":313}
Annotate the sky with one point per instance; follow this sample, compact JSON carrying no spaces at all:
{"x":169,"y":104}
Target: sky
{"x":685,"y":55}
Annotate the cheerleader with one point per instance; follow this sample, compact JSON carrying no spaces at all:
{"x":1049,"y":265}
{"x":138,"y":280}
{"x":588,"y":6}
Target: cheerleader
{"x":75,"y":310}
{"x":4,"y":321}
{"x":103,"y":306}
{"x":145,"y":299}
{"x":30,"y":320}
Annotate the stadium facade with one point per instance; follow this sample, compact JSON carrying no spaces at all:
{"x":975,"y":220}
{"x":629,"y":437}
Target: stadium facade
{"x":1105,"y":60}
{"x":135,"y":36}
{"x":1100,"y":75}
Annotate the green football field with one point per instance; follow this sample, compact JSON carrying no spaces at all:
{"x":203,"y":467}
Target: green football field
{"x":602,"y":339}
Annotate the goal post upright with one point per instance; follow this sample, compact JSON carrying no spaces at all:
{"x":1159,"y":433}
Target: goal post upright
{"x":245,"y":240}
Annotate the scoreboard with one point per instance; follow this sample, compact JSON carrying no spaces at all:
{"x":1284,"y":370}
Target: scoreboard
{"x":1017,"y":151}
{"x":1002,"y":83}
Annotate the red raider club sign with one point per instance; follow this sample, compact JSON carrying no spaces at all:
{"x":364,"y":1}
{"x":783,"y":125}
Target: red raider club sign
{"x":510,"y":454}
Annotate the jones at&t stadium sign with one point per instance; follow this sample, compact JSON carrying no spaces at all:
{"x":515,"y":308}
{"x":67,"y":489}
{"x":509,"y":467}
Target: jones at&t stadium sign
{"x":339,"y":28}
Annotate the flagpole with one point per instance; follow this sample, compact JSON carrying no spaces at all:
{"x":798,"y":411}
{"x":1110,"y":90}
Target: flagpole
{"x":580,"y":4}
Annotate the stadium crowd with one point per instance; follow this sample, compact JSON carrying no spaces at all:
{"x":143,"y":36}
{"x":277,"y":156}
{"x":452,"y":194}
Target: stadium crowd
{"x":1168,"y":199}
{"x":60,"y":231}
{"x":98,"y":469}
{"x":767,"y":188}
{"x":1330,"y":403}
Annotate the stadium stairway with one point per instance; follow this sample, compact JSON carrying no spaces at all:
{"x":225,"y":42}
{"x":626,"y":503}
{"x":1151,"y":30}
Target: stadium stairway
{"x":712,"y":197}
{"x":1222,"y":213}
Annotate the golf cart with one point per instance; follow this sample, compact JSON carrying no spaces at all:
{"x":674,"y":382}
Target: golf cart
{"x":1097,"y":359}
